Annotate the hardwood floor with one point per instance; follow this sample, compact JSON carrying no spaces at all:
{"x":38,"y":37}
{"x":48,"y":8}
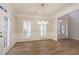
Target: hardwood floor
{"x":46,"y":47}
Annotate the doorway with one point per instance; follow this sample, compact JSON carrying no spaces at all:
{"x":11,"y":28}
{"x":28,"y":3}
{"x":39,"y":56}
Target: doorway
{"x":1,"y":31}
{"x":62,"y":28}
{"x":6,"y":31}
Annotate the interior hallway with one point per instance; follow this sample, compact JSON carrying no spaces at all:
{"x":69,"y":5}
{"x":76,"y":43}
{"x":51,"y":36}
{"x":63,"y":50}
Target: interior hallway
{"x":46,"y":47}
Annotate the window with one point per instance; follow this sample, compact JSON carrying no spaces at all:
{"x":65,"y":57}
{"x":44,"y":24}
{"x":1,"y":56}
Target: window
{"x":26,"y":29}
{"x":6,"y":31}
{"x":43,"y":28}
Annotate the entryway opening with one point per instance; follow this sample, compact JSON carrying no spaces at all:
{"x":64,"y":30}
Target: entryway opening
{"x":68,"y":26}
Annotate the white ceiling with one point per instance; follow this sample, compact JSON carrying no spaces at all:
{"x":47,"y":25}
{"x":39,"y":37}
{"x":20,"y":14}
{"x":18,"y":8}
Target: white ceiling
{"x":36,"y":8}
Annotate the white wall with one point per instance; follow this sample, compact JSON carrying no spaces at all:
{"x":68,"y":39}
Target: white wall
{"x":35,"y":28}
{"x":74,"y":25}
{"x":54,"y":28}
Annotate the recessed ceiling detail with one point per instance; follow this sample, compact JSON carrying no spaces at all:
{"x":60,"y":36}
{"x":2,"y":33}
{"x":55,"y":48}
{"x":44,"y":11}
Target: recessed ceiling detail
{"x":45,"y":9}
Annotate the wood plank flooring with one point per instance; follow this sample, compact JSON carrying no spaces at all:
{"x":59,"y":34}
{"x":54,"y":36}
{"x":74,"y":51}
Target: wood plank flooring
{"x":46,"y":47}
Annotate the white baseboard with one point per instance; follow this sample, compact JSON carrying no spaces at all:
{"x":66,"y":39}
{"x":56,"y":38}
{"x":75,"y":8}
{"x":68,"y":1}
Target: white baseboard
{"x":8,"y":48}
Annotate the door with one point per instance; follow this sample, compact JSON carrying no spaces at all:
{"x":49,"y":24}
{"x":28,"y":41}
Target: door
{"x":6,"y":31}
{"x":62,"y":29}
{"x":1,"y":31}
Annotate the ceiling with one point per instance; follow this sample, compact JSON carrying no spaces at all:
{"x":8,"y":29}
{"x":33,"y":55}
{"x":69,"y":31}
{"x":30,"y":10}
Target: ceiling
{"x":46,"y":9}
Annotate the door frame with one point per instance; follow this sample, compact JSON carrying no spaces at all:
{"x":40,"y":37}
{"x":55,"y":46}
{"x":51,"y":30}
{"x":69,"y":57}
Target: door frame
{"x":65,"y":34}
